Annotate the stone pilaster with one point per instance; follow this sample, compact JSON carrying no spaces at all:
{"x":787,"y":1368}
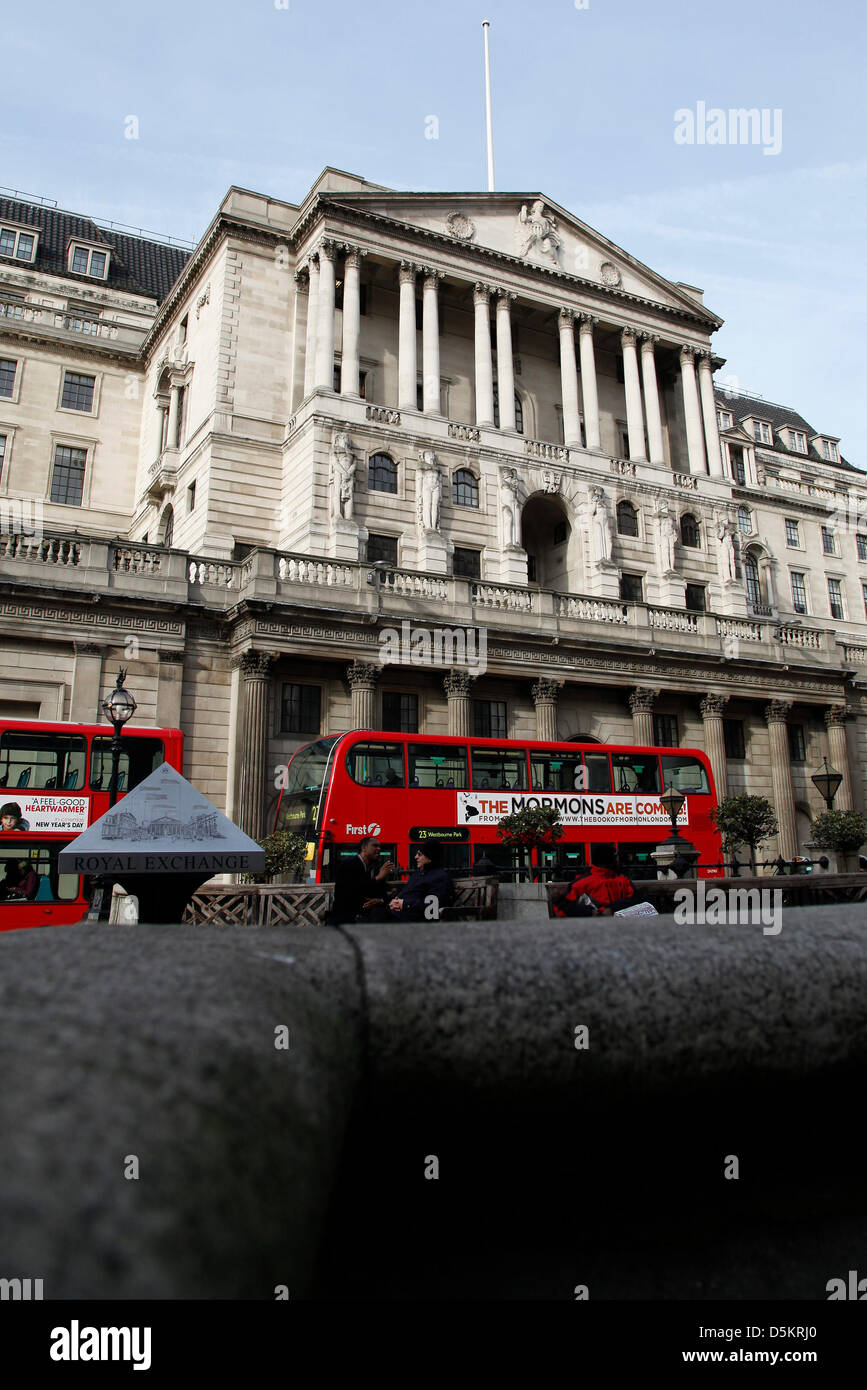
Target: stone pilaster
{"x":588,"y":382}
{"x":651,"y":398}
{"x":836,"y":719}
{"x":363,"y":677}
{"x":312,"y":325}
{"x":255,"y":673}
{"x":300,"y":313}
{"x":86,"y":684}
{"x":458,"y":686}
{"x":708,"y":410}
{"x":484,"y":367}
{"x":776,"y":715}
{"x":692,"y":412}
{"x":545,"y":694}
{"x":712,"y":709}
{"x":632,"y":388}
{"x":569,"y":379}
{"x":170,"y":684}
{"x":505,"y":367}
{"x":641,"y":702}
{"x":407,"y":351}
{"x":430,"y":341}
{"x":325,"y":326}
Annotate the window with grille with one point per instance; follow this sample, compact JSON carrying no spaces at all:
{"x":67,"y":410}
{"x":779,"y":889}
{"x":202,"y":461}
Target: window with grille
{"x":864,"y":596}
{"x":797,"y":441}
{"x":382,"y":548}
{"x":739,"y":472}
{"x":792,"y":533}
{"x":382,"y":473}
{"x":725,"y":419}
{"x":799,"y":592}
{"x":695,"y":598}
{"x":828,"y":541}
{"x":467,"y":563}
{"x":8,"y":367}
{"x":489,"y":719}
{"x":733,"y":733}
{"x":85,"y":261}
{"x":665,"y":730}
{"x":627,"y":519}
{"x":300,"y":711}
{"x":797,"y":743}
{"x":77,"y":391}
{"x":835,"y":598}
{"x":465,"y":488}
{"x":67,"y":475}
{"x":745,"y":520}
{"x":631,"y":587}
{"x":689,"y":532}
{"x":399,"y":712}
{"x":829,"y":451}
{"x":19,"y":245}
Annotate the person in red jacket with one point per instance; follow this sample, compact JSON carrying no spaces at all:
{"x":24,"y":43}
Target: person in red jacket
{"x":604,"y":884}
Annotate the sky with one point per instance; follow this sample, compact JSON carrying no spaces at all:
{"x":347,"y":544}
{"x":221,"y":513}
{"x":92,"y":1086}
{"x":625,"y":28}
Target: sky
{"x":589,"y":99}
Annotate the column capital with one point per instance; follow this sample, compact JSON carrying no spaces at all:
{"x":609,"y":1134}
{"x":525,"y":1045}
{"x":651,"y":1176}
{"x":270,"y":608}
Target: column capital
{"x":838,"y":716}
{"x":588,"y":323}
{"x":504,"y":296}
{"x":302,"y":278}
{"x":546,"y":690}
{"x":328,"y":248}
{"x":566,"y":318}
{"x":627,"y":337}
{"x":703,"y":357}
{"x":431,"y":274}
{"x":89,"y":649}
{"x":363,"y":674}
{"x":481,"y":292}
{"x":256,"y":666}
{"x":687,"y":354}
{"x":649,"y":341}
{"x":407,"y":272}
{"x":353,"y":254}
{"x":458,"y":683}
{"x":777,"y":711}
{"x":642,"y":700}
{"x":713,"y":706}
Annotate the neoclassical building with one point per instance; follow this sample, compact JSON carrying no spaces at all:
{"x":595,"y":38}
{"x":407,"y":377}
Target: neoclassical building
{"x":246,"y":470}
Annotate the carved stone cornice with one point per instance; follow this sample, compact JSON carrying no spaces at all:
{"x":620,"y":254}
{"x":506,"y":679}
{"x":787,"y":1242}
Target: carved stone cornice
{"x":712,"y":706}
{"x":363,"y":674}
{"x":458,"y":684}
{"x":642,"y":700}
{"x":838,"y":716}
{"x":256,"y":666}
{"x":546,"y":691}
{"x":777,"y":711}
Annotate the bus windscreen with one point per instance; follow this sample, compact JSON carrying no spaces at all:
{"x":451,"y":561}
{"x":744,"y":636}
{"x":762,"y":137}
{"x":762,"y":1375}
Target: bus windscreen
{"x":304,"y":778}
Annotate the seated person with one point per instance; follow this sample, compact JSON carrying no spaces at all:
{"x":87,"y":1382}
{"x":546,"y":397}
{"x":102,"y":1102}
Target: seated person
{"x":28,"y":884}
{"x":10,"y":880}
{"x":359,"y":885}
{"x":392,"y":779}
{"x":605,"y":885}
{"x":428,"y":881}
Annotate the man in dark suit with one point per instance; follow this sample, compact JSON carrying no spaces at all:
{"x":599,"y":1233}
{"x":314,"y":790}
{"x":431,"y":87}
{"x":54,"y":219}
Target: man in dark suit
{"x":429,"y":889}
{"x":359,"y":886}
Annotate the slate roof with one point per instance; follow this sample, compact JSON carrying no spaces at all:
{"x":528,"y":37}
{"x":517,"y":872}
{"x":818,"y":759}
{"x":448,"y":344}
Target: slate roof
{"x":137,"y":265}
{"x":778,"y":417}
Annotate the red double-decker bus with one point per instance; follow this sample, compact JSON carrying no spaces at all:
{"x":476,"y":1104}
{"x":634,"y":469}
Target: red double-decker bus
{"x":54,"y":782}
{"x":412,"y":789}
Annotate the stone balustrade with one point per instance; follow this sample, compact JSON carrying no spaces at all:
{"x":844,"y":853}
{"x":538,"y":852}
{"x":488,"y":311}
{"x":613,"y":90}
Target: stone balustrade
{"x":591,"y":610}
{"x":503,"y":596}
{"x":56,"y":322}
{"x":39,"y":549}
{"x":672,"y":620}
{"x":799,"y":637}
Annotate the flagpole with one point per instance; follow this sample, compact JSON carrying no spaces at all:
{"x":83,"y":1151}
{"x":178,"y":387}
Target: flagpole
{"x":486,"y":24}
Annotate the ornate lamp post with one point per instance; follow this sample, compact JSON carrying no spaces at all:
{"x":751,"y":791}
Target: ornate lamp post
{"x":676,"y":855}
{"x":827,"y":781}
{"x":672,"y":803}
{"x":119,"y":707}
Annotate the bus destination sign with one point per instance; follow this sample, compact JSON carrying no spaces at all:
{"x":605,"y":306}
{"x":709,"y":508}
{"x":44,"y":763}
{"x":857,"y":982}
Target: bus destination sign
{"x":439,"y":834}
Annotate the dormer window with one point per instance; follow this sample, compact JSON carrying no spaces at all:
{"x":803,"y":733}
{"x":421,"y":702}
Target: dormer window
{"x":88,"y":260}
{"x":762,"y":432}
{"x":797,"y":441}
{"x":725,"y":419}
{"x":18,"y":244}
{"x":828,"y":450}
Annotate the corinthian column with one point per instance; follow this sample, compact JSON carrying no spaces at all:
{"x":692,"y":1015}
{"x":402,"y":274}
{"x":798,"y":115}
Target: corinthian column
{"x":545,"y":694}
{"x":505,"y":368}
{"x":256,"y":671}
{"x":692,"y":412}
{"x":632,"y":387}
{"x":300,"y":311}
{"x":836,"y":719}
{"x":588,"y":382}
{"x":349,"y":363}
{"x":641,"y":702}
{"x":325,"y":326}
{"x":484,"y":369}
{"x":458,"y":686}
{"x":776,"y":714}
{"x":363,"y":678}
{"x":430,"y":341}
{"x":407,"y":352}
{"x":312,"y":324}
{"x":712,"y":707}
{"x":708,"y":410}
{"x":569,"y":379}
{"x":651,"y":398}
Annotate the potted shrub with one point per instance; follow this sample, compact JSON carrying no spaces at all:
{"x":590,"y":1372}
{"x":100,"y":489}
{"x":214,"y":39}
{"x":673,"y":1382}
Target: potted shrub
{"x":842,"y":832}
{"x":745,"y":820}
{"x":535,"y":825}
{"x":285,"y":857}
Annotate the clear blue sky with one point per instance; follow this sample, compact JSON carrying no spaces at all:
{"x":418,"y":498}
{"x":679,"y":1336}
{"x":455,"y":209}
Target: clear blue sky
{"x":584,"y":103}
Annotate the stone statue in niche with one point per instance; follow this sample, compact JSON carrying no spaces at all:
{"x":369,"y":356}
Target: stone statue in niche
{"x":429,"y":491}
{"x":667,"y":539}
{"x":537,"y":232}
{"x":510,"y":508}
{"x":727,"y":559}
{"x":342,"y":477}
{"x":601,"y":526}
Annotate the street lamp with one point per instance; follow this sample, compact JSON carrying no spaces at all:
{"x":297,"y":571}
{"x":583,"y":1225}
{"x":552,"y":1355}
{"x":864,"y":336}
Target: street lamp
{"x":827,"y":782}
{"x":118,"y":707}
{"x":672,"y":803}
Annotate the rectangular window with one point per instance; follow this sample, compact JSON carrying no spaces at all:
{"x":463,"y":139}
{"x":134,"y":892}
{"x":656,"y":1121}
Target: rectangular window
{"x":97,"y":264}
{"x":300,"y":709}
{"x":499,"y":769}
{"x":7,"y":241}
{"x":80,"y":257}
{"x":635,"y":772}
{"x":36,"y":761}
{"x":799,"y":592}
{"x":382,"y":548}
{"x":739,"y":472}
{"x":864,"y":596}
{"x":67,"y":475}
{"x":733,"y":733}
{"x":835,"y":598}
{"x":695,"y":597}
{"x":8,"y":368}
{"x":623,"y":439}
{"x":557,"y":772}
{"x":489,"y":719}
{"x":798,"y":441}
{"x":467,"y":563}
{"x":85,"y":261}
{"x":435,"y":765}
{"x":630,"y":588}
{"x":665,"y":731}
{"x":797,"y":744}
{"x":399,"y":712}
{"x":139,"y":758}
{"x":829,"y":451}
{"x":191,"y":497}
{"x":77,"y":391}
{"x":376,"y":764}
{"x":828,"y":541}
{"x":762,"y":432}
{"x":861,"y":542}
{"x":685,"y":774}
{"x":2,"y":454}
{"x":20,"y":245}
{"x":725,"y":419}
{"x":792,"y":534}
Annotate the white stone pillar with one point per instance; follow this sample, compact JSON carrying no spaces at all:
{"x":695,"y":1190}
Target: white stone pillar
{"x":708,"y":410}
{"x":632,"y":387}
{"x":641,"y":702}
{"x":484,"y":367}
{"x":712,"y":709}
{"x":692,"y":412}
{"x":545,"y":694}
{"x":174,"y":407}
{"x":505,"y":367}
{"x":588,"y":382}
{"x":458,"y":686}
{"x":256,"y":671}
{"x":300,"y":309}
{"x":651,"y":398}
{"x":776,"y":714}
{"x":325,"y":326}
{"x":569,"y":379}
{"x":407,"y":351}
{"x":363,"y":678}
{"x":836,"y":719}
{"x":312,"y":323}
{"x":430,"y":341}
{"x":349,"y":361}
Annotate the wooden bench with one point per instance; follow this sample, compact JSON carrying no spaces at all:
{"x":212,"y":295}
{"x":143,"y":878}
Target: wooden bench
{"x":306,"y":904}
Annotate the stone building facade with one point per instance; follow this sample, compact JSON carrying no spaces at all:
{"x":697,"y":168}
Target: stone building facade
{"x":248,"y":470}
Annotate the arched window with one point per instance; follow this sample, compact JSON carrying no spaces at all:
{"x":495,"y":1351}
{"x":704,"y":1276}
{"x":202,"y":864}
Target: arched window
{"x":627,"y":519}
{"x":745,"y":521}
{"x":381,"y":473}
{"x":689,"y":533}
{"x":519,"y":411}
{"x":465,"y":488}
{"x":751,"y":576}
{"x":168,"y":520}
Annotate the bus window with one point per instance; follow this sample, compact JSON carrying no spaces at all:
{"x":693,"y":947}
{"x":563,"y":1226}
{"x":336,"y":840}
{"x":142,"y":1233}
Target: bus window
{"x":635,"y":772}
{"x":41,"y":857}
{"x":562,"y":859}
{"x":304,"y":777}
{"x":510,"y":861}
{"x":334,"y":855}
{"x":598,"y":772}
{"x":634,"y":858}
{"x":437,"y":766}
{"x":139,"y":757}
{"x":42,"y":761}
{"x":684,"y":774}
{"x":376,"y":764}
{"x":455,"y":858}
{"x":555,"y":772}
{"x":499,"y":769}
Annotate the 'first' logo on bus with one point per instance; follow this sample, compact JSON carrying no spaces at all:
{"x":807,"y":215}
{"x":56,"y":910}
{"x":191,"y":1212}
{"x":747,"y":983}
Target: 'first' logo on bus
{"x":373,"y":829}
